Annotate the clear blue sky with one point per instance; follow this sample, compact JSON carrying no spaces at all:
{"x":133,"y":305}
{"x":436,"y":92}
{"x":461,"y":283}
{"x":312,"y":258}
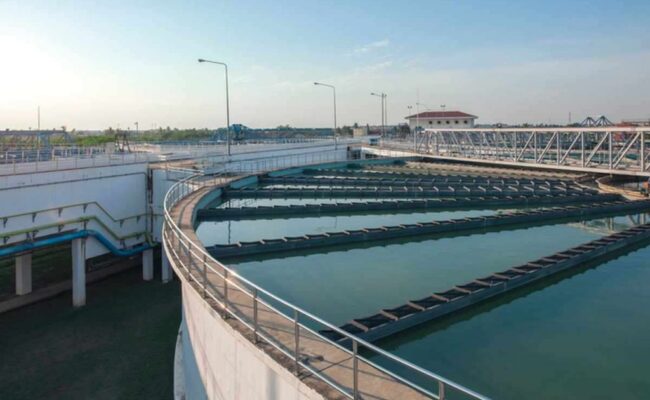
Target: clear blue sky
{"x":94,"y":64}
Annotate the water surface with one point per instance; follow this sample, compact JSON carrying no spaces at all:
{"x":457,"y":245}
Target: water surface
{"x":226,"y":232}
{"x":581,"y":337}
{"x":342,"y":284}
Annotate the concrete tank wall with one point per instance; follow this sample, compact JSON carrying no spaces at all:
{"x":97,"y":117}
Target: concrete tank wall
{"x":220,"y":364}
{"x":119,"y":190}
{"x":118,"y":194}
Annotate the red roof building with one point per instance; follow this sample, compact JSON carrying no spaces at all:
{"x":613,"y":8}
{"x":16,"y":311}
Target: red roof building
{"x":441,"y":120}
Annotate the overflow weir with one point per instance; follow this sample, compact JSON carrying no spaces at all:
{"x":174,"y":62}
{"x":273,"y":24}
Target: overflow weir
{"x":390,"y":321}
{"x":403,"y":181}
{"x":442,"y":190}
{"x":456,"y":203}
{"x":504,"y":220}
{"x":417,"y":173}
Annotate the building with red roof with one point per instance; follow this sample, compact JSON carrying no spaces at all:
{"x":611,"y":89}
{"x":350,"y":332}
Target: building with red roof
{"x":441,"y":120}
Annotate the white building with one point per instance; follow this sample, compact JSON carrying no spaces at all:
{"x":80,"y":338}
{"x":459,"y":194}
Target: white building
{"x":441,"y":120}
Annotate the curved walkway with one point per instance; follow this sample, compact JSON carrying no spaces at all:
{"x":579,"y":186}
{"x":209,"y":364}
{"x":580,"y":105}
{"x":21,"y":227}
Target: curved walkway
{"x":335,"y":363}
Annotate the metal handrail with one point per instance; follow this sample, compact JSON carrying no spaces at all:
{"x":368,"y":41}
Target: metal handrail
{"x":202,"y":259}
{"x":58,"y":225}
{"x":46,"y":160}
{"x":84,"y":205}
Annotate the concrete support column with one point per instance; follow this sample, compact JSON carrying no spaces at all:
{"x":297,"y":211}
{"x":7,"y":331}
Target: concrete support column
{"x":24,"y":274}
{"x":79,"y":272}
{"x":147,"y":265}
{"x":166,"y":268}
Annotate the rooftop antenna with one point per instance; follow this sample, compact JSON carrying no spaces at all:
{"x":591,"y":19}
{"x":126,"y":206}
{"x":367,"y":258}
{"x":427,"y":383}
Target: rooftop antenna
{"x":38,"y":117}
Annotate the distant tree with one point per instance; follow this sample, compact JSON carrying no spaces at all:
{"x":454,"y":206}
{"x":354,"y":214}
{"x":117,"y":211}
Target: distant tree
{"x":345,"y":131}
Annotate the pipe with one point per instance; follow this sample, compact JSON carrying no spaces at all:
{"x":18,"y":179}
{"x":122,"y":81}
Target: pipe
{"x":66,"y":237}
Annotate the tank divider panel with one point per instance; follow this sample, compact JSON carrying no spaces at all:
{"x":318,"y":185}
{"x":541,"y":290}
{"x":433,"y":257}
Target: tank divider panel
{"x":422,"y":204}
{"x":329,"y":172}
{"x":390,"y":191}
{"x":434,"y":227}
{"x":344,"y":181}
{"x":439,"y":304}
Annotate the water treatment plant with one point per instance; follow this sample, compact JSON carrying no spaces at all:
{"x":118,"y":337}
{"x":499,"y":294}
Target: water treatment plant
{"x":313,"y":200}
{"x":344,"y":269}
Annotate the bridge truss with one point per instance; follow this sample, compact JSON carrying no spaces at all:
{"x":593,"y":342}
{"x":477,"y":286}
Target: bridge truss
{"x":620,"y":150}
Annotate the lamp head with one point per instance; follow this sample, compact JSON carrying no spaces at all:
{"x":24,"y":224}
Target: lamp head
{"x":201,"y":60}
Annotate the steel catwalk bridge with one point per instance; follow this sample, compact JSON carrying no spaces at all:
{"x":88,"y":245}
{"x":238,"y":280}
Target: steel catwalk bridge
{"x":610,"y":150}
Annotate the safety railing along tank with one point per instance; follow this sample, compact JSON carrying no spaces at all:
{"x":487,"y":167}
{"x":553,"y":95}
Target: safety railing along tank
{"x":191,"y":259}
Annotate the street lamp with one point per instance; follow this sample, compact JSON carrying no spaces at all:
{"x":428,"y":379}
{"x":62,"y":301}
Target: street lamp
{"x":383,"y":100}
{"x":227,"y":102}
{"x":334,"y":91}
{"x":409,"y":114}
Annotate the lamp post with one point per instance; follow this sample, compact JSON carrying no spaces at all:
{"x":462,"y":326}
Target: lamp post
{"x":409,"y":113}
{"x":334,"y":92}
{"x":227,"y":102}
{"x":383,"y":99}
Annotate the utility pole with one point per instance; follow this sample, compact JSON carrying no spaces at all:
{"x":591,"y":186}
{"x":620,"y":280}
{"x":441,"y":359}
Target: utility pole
{"x":410,"y":108}
{"x":383,"y":111}
{"x":336,"y":141}
{"x":417,"y":120}
{"x":201,"y":60}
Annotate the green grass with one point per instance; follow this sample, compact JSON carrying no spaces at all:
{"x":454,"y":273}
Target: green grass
{"x":119,"y":346}
{"x":49,"y":266}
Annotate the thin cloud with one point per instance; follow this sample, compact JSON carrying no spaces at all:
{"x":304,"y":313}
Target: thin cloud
{"x":377,"y":67}
{"x":372,"y":46}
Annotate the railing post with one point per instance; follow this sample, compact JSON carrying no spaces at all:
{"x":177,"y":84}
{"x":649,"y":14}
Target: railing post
{"x":205,"y":276}
{"x":355,"y":370}
{"x":296,"y":335}
{"x":188,"y":254}
{"x":441,"y":390}
{"x":225,"y":293}
{"x":255,"y":324}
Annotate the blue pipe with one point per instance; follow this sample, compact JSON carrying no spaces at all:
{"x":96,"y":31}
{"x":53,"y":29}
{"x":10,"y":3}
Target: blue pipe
{"x":66,"y":237}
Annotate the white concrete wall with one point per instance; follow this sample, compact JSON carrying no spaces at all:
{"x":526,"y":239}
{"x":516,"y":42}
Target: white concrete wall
{"x":220,"y":364}
{"x":162,"y":181}
{"x":120,"y":190}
